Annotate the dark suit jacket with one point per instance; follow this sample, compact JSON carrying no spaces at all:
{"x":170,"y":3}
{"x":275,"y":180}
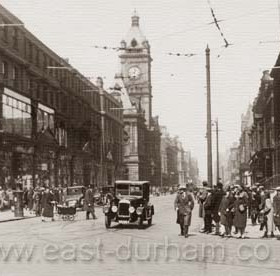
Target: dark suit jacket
{"x":89,"y":200}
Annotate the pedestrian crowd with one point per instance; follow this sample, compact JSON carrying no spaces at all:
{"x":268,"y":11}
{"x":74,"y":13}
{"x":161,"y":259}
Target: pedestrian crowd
{"x":42,"y":201}
{"x":45,"y":201}
{"x":232,"y":207}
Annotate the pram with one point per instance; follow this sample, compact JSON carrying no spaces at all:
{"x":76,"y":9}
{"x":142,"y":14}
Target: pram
{"x":66,"y":212}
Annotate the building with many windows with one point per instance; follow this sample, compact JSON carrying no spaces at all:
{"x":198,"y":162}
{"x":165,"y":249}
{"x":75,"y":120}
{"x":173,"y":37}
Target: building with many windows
{"x":51,"y":127}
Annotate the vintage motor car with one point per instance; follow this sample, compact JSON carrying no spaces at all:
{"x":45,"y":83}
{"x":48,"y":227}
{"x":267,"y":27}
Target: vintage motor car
{"x":130,"y":204}
{"x":75,"y":196}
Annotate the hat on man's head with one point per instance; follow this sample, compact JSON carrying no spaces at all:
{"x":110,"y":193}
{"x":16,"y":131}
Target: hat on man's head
{"x":220,"y":185}
{"x":204,"y":183}
{"x":182,"y":187}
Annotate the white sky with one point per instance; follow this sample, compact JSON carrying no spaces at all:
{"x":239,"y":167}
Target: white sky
{"x":72,"y":27}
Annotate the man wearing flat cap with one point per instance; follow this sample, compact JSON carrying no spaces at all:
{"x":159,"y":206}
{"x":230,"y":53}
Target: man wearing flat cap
{"x":184,"y":204}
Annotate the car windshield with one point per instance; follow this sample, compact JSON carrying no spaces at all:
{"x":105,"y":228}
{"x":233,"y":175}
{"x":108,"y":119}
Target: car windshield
{"x":126,"y":189}
{"x":136,"y":190}
{"x":74,"y":191}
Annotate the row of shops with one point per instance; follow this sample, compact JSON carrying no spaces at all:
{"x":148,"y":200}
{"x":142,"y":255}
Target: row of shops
{"x":34,"y":148}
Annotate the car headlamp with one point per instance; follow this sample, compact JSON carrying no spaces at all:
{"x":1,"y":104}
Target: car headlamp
{"x":114,"y":209}
{"x":131,"y":209}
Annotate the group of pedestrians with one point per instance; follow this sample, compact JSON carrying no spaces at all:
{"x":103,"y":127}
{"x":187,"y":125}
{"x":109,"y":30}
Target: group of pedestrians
{"x":39,"y":201}
{"x":233,"y":206}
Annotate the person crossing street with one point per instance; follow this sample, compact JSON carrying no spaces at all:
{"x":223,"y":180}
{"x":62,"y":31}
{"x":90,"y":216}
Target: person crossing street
{"x":184,"y":205}
{"x":89,"y":203}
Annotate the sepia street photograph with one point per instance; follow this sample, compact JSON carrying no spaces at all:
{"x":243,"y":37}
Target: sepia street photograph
{"x":139,"y":137}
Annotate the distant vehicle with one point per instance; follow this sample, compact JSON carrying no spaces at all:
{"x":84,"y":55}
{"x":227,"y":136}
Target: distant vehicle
{"x":75,"y":196}
{"x":107,"y":192}
{"x":130,"y":204}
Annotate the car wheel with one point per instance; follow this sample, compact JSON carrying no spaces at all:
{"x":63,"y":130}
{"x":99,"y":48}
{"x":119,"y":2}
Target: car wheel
{"x":107,"y":222}
{"x":150,"y":221}
{"x":140,"y":222}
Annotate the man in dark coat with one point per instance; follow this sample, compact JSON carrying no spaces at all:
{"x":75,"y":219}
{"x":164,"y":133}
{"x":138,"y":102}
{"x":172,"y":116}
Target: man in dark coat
{"x":255,"y":202}
{"x":184,"y":204}
{"x":89,"y":203}
{"x":240,"y":213}
{"x":216,"y":201}
{"x":208,"y":211}
{"x":226,"y":212}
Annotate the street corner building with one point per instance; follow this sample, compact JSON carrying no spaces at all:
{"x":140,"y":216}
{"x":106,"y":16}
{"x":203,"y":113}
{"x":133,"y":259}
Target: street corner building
{"x":56,"y":127}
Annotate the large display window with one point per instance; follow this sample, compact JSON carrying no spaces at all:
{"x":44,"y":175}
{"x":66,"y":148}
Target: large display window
{"x":16,"y":114}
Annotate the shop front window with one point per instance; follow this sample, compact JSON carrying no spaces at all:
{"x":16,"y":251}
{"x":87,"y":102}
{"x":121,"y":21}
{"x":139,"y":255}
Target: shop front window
{"x":16,"y":114}
{"x":45,"y":118}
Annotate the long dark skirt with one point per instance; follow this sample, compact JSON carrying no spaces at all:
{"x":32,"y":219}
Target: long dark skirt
{"x":48,"y":211}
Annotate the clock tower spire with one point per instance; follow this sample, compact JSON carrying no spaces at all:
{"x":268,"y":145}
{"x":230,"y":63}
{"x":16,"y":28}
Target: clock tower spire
{"x":135,"y":19}
{"x":136,"y":61}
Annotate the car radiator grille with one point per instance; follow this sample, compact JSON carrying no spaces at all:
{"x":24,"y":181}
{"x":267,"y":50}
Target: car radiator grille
{"x":123,"y":209}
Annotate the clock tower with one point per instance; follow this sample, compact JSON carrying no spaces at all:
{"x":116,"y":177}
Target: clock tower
{"x":136,"y":61}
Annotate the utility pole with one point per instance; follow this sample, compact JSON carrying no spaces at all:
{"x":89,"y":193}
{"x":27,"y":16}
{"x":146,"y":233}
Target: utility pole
{"x":209,"y":123}
{"x":217,"y":147}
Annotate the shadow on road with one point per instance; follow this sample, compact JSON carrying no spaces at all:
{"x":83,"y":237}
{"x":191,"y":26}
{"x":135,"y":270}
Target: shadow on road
{"x":130,"y":226}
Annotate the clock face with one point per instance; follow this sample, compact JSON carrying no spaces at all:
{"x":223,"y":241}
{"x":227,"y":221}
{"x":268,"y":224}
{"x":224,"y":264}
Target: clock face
{"x":134,"y":72}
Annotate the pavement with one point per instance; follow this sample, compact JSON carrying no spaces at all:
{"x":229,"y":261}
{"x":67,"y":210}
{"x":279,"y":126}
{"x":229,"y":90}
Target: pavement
{"x":8,"y":216}
{"x":86,"y":247}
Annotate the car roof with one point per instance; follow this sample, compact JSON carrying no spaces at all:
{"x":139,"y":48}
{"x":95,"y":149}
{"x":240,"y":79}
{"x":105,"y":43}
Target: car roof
{"x":131,"y":182}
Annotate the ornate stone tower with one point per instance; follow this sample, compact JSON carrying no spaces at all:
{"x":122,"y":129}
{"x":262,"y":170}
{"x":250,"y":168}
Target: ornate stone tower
{"x":136,"y":68}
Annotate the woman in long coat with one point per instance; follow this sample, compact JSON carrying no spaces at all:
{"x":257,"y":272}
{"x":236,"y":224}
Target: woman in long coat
{"x":30,"y":199}
{"x":184,"y":204}
{"x":226,"y":212}
{"x":240,"y":214}
{"x":47,"y":205}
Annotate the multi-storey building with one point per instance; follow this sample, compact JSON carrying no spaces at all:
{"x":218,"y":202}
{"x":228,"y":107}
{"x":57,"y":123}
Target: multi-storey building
{"x":178,"y":166}
{"x":111,"y":158}
{"x":262,"y":134}
{"x":50,"y":127}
